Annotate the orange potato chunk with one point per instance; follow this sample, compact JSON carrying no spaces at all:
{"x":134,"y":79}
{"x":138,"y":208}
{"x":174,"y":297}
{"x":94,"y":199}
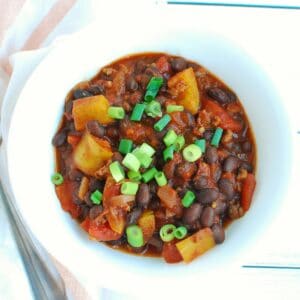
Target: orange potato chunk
{"x":91,"y":153}
{"x":196,"y":244}
{"x":147,"y":224}
{"x":184,"y":87}
{"x":90,"y":108}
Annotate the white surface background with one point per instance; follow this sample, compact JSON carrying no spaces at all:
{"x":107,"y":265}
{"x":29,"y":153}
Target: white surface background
{"x":273,"y":38}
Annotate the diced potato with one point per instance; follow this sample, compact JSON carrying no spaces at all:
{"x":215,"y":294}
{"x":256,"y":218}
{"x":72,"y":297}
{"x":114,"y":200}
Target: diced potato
{"x":83,"y":188}
{"x":184,"y":86}
{"x":196,"y":244}
{"x":91,"y":153}
{"x":90,"y":108}
{"x":147,"y":224}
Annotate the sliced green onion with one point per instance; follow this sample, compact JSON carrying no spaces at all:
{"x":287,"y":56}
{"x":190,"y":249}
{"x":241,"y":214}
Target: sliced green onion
{"x":116,"y":112}
{"x":135,"y":236}
{"x":147,"y":149}
{"x":131,"y":162}
{"x":143,"y":158}
{"x":168,"y":153}
{"x":57,"y":179}
{"x":137,"y":112}
{"x":153,"y":109}
{"x":134,"y":176}
{"x":96,"y":197}
{"x":166,"y":232}
{"x":152,"y":88}
{"x":191,"y":153}
{"x":129,"y":188}
{"x":201,"y":144}
{"x":188,"y":199}
{"x":179,"y":143}
{"x":149,"y":175}
{"x":160,"y":178}
{"x":125,"y":146}
{"x":172,"y":108}
{"x":117,"y":171}
{"x":170,"y":138}
{"x":217,"y":137}
{"x":162,"y":123}
{"x":180,"y":232}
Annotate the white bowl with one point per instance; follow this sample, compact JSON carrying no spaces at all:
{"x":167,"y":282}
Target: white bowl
{"x":31,"y":157}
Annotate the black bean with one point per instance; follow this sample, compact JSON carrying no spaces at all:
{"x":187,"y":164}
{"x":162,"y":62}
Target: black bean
{"x":154,"y":204}
{"x":219,"y":233}
{"x":247,"y":147}
{"x":131,"y":84}
{"x":156,"y":242}
{"x":220,"y":207}
{"x":152,"y":71}
{"x":236,"y":148}
{"x":207,"y":216}
{"x":143,"y":195}
{"x":117,"y":156}
{"x":60,"y":138}
{"x":231,"y":163}
{"x":80,"y":93}
{"x":87,"y":199}
{"x":226,"y":187}
{"x":96,"y":89}
{"x":140,"y":66}
{"x":145,"y":80}
{"x":216,"y":173}
{"x":208,"y":133}
{"x":69,"y":107}
{"x":96,"y":184}
{"x":200,"y":182}
{"x":75,"y":174}
{"x":207,"y":196}
{"x":117,"y":243}
{"x":221,"y":95}
{"x":133,"y":216}
{"x":152,"y":187}
{"x":192,"y":214}
{"x":95,"y":211}
{"x":95,"y":128}
{"x":247,"y":166}
{"x":178,"y":64}
{"x":211,"y":155}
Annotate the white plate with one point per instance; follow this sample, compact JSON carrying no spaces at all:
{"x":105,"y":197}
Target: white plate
{"x":39,"y":109}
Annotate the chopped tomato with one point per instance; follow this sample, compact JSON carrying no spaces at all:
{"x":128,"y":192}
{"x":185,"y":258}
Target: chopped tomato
{"x":163,"y":65}
{"x":170,"y":253}
{"x":247,"y":191}
{"x":227,"y":122}
{"x":116,"y":217}
{"x":102,"y":232}
{"x":111,"y":189}
{"x":85,"y":224}
{"x":73,"y":140}
{"x":170,"y":199}
{"x":64,"y":194}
